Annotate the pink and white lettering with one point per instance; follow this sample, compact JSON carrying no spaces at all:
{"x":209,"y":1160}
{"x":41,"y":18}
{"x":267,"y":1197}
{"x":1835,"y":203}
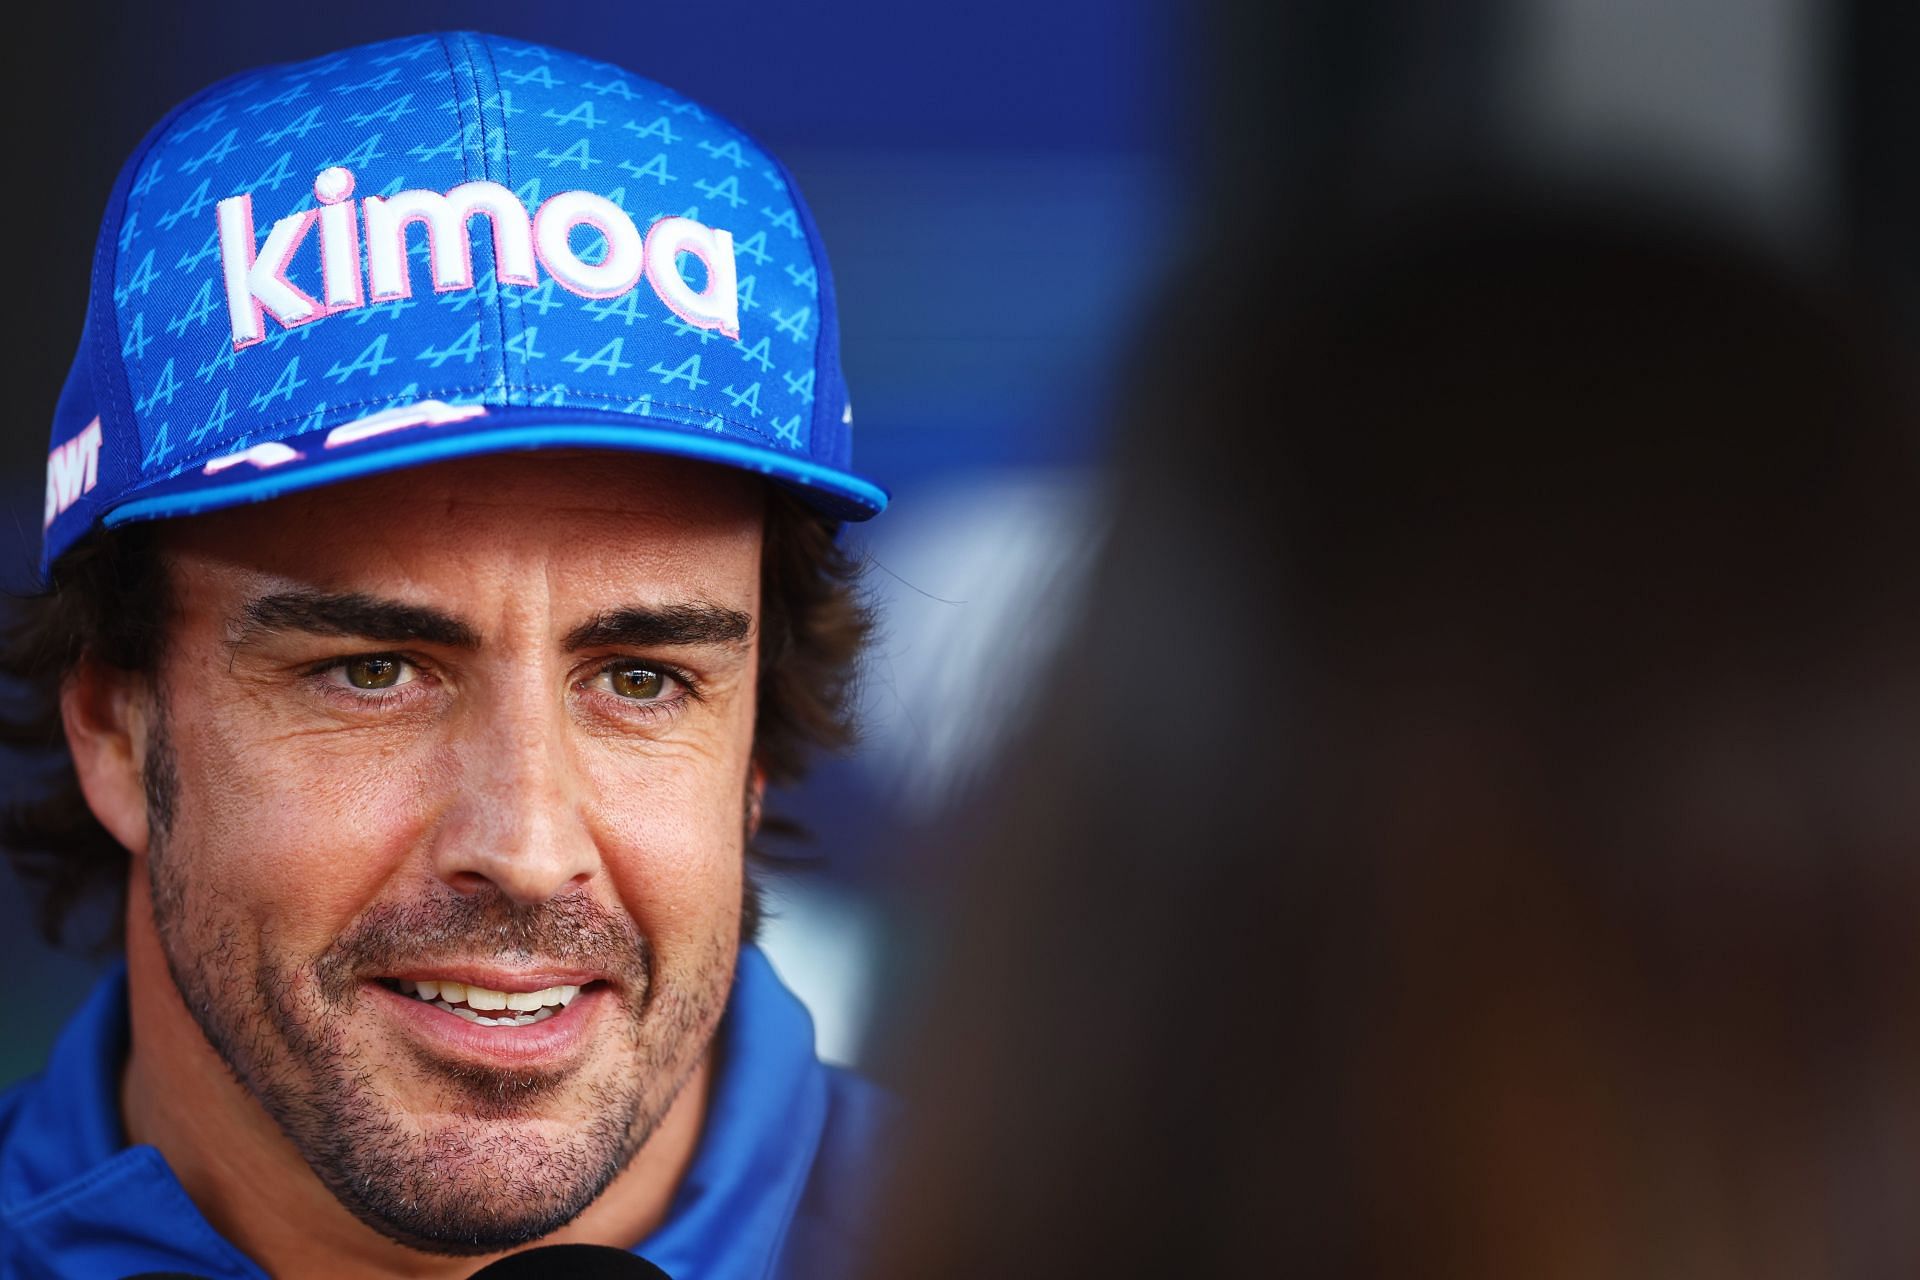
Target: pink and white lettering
{"x":72,"y":469}
{"x":257,"y":284}
{"x":553,"y":228}
{"x":715,"y":307}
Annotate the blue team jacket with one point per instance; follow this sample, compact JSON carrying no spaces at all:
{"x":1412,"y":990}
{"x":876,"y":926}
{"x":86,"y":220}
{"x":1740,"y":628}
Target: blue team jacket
{"x":780,"y":1189}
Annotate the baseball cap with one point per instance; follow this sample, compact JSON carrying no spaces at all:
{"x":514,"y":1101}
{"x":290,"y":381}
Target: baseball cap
{"x":440,"y":246}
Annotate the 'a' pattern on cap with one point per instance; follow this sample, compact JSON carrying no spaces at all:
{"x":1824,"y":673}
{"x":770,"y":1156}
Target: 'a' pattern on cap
{"x":436,"y":246}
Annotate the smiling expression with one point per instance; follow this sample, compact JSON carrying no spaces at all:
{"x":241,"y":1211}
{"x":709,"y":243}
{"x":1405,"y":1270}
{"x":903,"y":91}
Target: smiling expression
{"x":446,"y":780}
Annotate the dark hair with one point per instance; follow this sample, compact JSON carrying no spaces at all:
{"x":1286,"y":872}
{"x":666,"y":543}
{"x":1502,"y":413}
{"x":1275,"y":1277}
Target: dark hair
{"x":107,"y":601}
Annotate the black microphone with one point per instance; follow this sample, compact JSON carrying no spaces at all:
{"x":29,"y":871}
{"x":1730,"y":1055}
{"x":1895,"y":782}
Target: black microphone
{"x":548,"y":1262}
{"x":572,"y":1261}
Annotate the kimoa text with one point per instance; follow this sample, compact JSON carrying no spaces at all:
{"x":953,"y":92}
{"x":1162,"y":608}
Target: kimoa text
{"x":257,"y":284}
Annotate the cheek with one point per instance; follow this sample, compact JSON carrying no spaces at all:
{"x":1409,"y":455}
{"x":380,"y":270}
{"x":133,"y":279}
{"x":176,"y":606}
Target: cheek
{"x":294,"y":833}
{"x":671,"y":831}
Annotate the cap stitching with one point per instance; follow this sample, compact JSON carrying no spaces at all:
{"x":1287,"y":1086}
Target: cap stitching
{"x":466,"y":170}
{"x":506,"y":175}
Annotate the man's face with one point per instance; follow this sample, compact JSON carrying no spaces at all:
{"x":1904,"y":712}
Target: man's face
{"x":486,"y":723}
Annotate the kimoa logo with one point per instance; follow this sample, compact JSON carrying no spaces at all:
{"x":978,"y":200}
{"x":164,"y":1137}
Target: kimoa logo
{"x":257,"y":284}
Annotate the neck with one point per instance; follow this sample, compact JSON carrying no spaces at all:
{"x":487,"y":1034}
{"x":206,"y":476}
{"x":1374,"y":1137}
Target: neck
{"x":252,"y":1184}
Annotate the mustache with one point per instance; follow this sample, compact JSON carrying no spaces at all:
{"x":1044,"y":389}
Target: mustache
{"x":486,"y":924}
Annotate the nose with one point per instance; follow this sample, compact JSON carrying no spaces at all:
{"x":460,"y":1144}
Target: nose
{"x":516,"y":819}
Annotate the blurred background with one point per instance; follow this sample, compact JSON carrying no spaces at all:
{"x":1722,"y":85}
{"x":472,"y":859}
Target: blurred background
{"x":1005,"y":190}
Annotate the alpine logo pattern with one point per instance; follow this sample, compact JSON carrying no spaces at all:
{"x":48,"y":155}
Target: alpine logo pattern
{"x":477,"y":221}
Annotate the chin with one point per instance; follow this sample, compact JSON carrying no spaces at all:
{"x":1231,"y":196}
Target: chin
{"x":467,"y":1184}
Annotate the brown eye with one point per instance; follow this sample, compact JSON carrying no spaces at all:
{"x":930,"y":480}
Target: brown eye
{"x":378,"y":671}
{"x":640,"y":683}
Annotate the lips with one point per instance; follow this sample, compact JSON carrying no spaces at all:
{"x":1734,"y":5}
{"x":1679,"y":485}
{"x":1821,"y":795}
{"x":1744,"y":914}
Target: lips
{"x":522,"y":1020}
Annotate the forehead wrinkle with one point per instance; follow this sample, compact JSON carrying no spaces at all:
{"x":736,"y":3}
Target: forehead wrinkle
{"x":612,"y":509}
{"x":611,"y":558}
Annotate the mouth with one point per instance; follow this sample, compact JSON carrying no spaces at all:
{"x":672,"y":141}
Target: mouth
{"x":489,"y":1006}
{"x":522,"y":1020}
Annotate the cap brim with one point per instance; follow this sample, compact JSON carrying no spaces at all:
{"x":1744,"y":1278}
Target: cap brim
{"x":307,"y":462}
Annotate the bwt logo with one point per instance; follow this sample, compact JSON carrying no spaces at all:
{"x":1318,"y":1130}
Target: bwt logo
{"x":73,"y":468}
{"x":257,"y":283}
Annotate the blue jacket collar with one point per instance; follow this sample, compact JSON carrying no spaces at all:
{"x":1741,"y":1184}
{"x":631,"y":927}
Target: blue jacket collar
{"x":81,"y":1202}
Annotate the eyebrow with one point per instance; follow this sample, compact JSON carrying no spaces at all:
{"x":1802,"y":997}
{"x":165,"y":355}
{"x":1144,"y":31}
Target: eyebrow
{"x":670,"y":625}
{"x":362,"y":616}
{"x":395,"y":622}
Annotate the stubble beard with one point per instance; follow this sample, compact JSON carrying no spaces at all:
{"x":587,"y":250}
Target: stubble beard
{"x":489,"y":1179}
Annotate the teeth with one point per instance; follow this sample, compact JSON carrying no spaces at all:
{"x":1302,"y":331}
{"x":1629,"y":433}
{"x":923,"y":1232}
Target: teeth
{"x":517,"y":1020}
{"x":520,"y":1008}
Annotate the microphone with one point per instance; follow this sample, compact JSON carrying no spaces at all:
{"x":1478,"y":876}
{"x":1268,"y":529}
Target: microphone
{"x":548,"y":1262}
{"x":571,"y":1262}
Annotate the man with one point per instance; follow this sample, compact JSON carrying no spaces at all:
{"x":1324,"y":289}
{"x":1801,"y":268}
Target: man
{"x":430,"y":606}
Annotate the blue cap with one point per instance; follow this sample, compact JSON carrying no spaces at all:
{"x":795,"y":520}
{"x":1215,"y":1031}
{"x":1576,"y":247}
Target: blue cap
{"x":441,"y":246}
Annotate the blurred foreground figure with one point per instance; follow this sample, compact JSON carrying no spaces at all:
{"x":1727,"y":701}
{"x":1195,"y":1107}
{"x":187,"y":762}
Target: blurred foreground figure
{"x":1476,"y":828}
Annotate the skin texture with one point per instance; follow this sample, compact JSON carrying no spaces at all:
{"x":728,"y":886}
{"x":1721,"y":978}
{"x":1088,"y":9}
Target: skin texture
{"x":513,"y":804}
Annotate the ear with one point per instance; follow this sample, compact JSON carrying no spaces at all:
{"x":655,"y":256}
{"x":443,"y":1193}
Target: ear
{"x":756,"y":798}
{"x":106,"y":712}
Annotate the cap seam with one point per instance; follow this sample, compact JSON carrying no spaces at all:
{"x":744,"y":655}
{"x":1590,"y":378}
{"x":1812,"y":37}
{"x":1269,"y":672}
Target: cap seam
{"x":506,"y":177}
{"x":445,"y":41}
{"x":466,"y":161}
{"x":804,"y":217}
